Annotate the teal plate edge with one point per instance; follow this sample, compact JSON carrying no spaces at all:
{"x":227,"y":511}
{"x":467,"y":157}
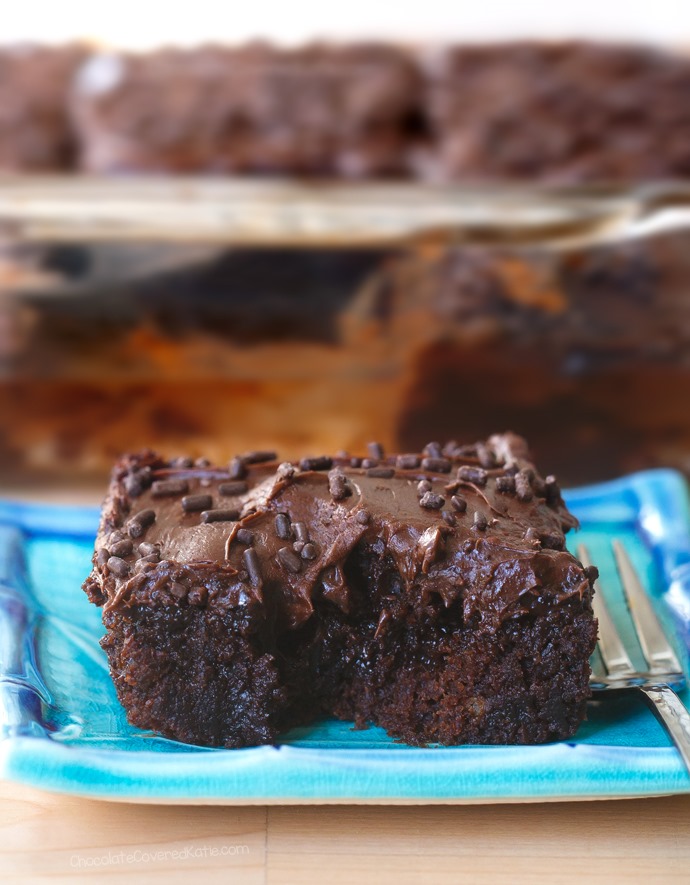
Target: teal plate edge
{"x":654,"y":504}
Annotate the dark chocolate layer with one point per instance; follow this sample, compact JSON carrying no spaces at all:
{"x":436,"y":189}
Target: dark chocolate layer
{"x":446,"y":520}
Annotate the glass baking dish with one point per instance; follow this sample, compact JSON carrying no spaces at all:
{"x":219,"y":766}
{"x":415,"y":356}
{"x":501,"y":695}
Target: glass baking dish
{"x":210,"y":316}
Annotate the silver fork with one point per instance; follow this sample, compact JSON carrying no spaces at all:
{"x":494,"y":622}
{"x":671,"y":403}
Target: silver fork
{"x":658,"y":685}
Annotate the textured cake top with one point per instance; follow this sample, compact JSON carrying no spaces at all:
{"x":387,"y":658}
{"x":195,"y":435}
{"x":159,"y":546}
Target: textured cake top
{"x":475,"y":523}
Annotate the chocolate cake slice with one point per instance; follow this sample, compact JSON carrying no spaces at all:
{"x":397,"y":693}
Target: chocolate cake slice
{"x":430,"y":594}
{"x":350,"y":111}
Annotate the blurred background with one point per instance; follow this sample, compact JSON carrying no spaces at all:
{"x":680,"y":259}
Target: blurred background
{"x":281,"y":226}
{"x":146,"y":26}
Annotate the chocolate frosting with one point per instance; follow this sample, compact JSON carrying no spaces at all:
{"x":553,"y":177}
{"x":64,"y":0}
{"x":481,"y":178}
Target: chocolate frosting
{"x":475,"y":523}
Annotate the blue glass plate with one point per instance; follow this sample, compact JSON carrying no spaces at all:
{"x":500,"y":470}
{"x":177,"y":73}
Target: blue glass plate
{"x":62,"y":728}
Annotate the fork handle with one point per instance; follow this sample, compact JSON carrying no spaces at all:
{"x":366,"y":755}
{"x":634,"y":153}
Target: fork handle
{"x":670,"y":711}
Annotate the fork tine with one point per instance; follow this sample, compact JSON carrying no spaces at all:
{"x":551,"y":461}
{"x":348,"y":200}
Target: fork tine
{"x":660,"y":656}
{"x":613,"y":653}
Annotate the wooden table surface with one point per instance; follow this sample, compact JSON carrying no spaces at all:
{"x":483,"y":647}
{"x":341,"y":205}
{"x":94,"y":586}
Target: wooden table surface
{"x":52,"y":838}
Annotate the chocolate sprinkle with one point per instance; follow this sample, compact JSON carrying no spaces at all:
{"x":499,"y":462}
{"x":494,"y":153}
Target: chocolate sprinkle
{"x":355,"y":462}
{"x":338,"y":485}
{"x":181,"y":463}
{"x":449,"y":517}
{"x":229,"y":489}
{"x":436,"y":465}
{"x":251,"y":563}
{"x":323,"y":462}
{"x":301,"y":531}
{"x":289,"y":559}
{"x":259,"y":457}
{"x":363,"y":517}
{"x":430,"y":501}
{"x":433,"y":450}
{"x":539,"y":487}
{"x":298,"y":546}
{"x":146,"y":549}
{"x":283,"y":526}
{"x":467,"y":451}
{"x":135,"y":529}
{"x":122,"y":548}
{"x":150,"y":558}
{"x":102,"y":556}
{"x":118,"y":567}
{"x":145,"y":517}
{"x":193,"y":503}
{"x":309,"y":551}
{"x":407,"y":462}
{"x":136,"y":482}
{"x":476,"y":475}
{"x":367,"y":463}
{"x":286,"y":470}
{"x":486,"y":457}
{"x":381,"y":472}
{"x":523,"y":485}
{"x":505,"y":485}
{"x":480,"y":521}
{"x":220,"y":515}
{"x":552,"y":540}
{"x":552,"y":491}
{"x":459,"y":503}
{"x":423,"y":487}
{"x":237,"y":468}
{"x":375,"y":450}
{"x":245,"y":536}
{"x":164,"y":488}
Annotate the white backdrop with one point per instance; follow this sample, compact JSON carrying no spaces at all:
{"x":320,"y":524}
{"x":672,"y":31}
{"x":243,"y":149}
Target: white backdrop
{"x":145,"y":23}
